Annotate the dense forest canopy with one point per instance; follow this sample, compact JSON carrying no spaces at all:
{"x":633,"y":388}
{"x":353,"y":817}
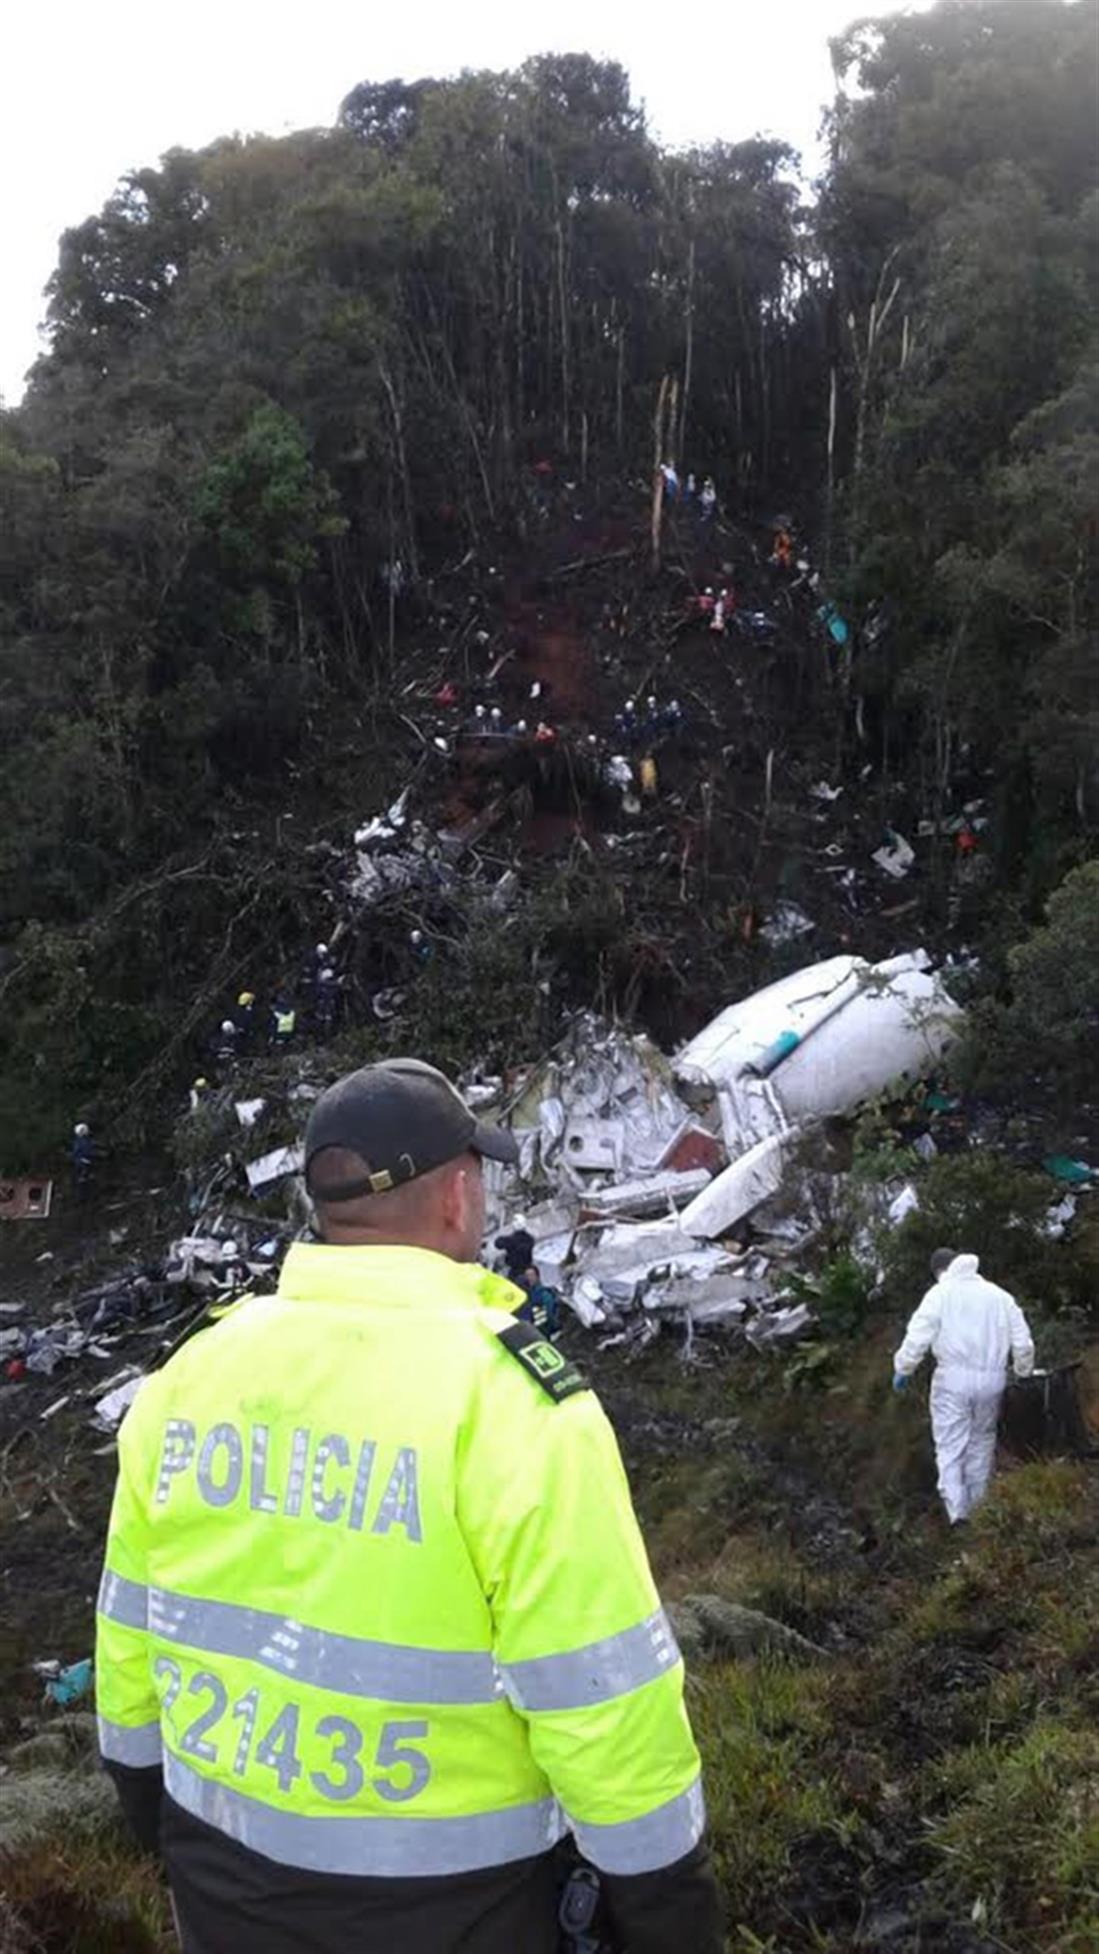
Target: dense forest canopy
{"x":276,"y":366}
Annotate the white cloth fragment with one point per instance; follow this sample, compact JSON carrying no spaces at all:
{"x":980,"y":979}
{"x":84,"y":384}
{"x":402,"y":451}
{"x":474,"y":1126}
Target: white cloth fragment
{"x":785,"y":924}
{"x":903,"y":1204}
{"x":274,"y":1166}
{"x":113,"y":1405}
{"x":896,"y":857}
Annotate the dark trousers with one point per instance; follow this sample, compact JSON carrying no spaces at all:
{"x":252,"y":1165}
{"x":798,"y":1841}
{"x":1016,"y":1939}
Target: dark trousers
{"x":230,"y":1900}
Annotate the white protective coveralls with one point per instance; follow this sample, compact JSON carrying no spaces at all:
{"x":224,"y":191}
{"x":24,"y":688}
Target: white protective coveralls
{"x":972,"y":1327}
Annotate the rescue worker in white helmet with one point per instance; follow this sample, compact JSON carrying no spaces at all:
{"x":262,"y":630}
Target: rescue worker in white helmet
{"x":376,"y":1628}
{"x":228,"y":1042}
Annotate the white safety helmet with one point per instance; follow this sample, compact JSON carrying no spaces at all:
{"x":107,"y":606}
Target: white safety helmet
{"x":521,"y":726}
{"x":417,"y":936}
{"x":629,"y":705}
{"x":321,"y":950}
{"x":674,"y":707}
{"x":651,"y":701}
{"x":478,"y":712}
{"x":227,"y":1027}
{"x":496,"y":714}
{"x":80,"y":1131}
{"x":519,"y":1221}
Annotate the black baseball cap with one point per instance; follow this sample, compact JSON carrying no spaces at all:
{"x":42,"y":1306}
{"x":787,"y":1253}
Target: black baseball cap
{"x":403,"y":1118}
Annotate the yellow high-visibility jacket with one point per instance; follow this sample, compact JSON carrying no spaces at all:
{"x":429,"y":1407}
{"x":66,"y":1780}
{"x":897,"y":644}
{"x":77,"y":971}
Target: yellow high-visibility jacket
{"x":375,"y":1597}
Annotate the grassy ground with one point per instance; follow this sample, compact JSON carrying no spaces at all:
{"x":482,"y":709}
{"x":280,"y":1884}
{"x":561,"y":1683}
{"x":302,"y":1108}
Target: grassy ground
{"x":934,"y":1783}
{"x":931,"y":1786}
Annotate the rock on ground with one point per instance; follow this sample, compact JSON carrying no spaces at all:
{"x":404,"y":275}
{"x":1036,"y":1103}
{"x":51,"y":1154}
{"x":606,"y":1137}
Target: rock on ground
{"x":707,"y":1627}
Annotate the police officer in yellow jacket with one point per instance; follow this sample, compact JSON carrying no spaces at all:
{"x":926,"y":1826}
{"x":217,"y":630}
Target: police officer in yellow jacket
{"x":376,"y":1628}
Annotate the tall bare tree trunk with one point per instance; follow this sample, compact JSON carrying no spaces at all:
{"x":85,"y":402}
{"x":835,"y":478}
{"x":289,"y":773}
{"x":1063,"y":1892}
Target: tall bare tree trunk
{"x":764,"y":401}
{"x":402,"y":464}
{"x":865,"y":356}
{"x":829,"y":503}
{"x":562,"y":301}
{"x":688,"y":359}
{"x":663,"y":436}
{"x":619,"y":387}
{"x":467,"y":416}
{"x":520,"y":338}
{"x":392,"y":579}
{"x":658,"y":477}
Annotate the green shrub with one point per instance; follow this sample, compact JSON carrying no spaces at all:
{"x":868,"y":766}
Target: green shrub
{"x":840,"y":1294}
{"x":1046,"y":1027}
{"x":878,"y":1153}
{"x":978,"y":1204}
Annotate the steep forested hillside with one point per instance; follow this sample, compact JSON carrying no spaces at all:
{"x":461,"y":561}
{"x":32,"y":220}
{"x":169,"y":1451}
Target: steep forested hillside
{"x":278,"y":367}
{"x":346,"y":441}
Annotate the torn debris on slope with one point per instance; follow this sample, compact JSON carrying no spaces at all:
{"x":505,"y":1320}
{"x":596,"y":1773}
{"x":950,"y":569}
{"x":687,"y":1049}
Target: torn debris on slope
{"x":655,"y":1190}
{"x":645,"y":1166}
{"x":394,"y":854}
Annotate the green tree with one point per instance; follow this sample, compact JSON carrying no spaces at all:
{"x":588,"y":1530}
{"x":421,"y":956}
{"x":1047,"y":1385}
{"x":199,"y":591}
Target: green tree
{"x":264,"y":506}
{"x":1046,"y":1027}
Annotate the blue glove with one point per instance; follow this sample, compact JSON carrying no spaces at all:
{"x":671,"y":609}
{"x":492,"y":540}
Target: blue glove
{"x":900,"y":1383}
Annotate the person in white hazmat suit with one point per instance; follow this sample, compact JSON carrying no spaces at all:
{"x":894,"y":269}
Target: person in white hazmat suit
{"x":972,"y":1328}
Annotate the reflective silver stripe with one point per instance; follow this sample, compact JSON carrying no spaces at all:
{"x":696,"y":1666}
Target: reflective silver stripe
{"x":124,"y":1745}
{"x":643,"y":1845}
{"x":596,"y":1673}
{"x":123,"y":1601}
{"x":392,"y":1672}
{"x":388,"y":1848}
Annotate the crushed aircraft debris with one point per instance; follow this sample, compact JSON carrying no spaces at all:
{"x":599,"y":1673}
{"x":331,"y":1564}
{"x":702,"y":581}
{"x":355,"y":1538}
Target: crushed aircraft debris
{"x":645,"y":1167}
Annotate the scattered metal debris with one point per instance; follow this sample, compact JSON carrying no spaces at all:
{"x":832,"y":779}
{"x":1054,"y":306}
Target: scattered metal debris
{"x":897,"y":855}
{"x":785,"y":924}
{"x":115,"y":1396}
{"x":27,"y":1198}
{"x":273,"y":1166}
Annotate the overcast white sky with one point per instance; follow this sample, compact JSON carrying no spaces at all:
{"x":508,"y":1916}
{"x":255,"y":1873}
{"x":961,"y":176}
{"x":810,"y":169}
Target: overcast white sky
{"x":92,"y":91}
